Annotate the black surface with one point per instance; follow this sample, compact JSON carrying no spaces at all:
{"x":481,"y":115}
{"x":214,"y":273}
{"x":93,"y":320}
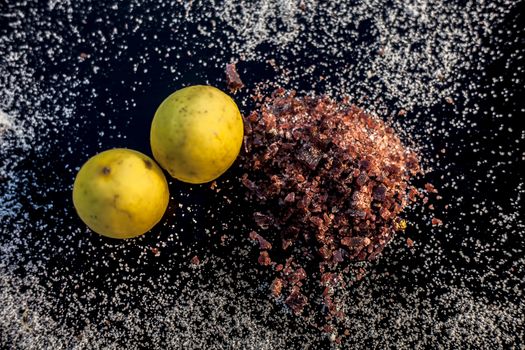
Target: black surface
{"x":114,"y":87}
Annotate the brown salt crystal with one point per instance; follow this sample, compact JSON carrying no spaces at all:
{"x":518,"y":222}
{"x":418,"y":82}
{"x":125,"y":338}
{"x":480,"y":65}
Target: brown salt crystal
{"x":296,"y":301}
{"x":337,"y":256}
{"x":355,"y":242}
{"x":362,"y":255}
{"x":262,"y":220}
{"x":276,"y":287}
{"x":413,"y":165}
{"x":364,"y":164}
{"x":155,"y":251}
{"x":325,"y":252}
{"x":264,"y":258}
{"x":327,"y":278}
{"x":379,"y":193}
{"x":233,"y":80}
{"x":290,"y":198}
{"x":361,"y":179}
{"x":309,"y":155}
{"x":195,"y":260}
{"x":263,"y":243}
{"x":288,"y":266}
{"x":412,"y":193}
{"x":436,"y":222}
{"x":269,"y":120}
{"x":384,"y":213}
{"x":247,"y":183}
{"x":327,"y":328}
{"x":297,"y":275}
{"x":286,"y":243}
{"x":410,"y":243}
{"x":317,"y":221}
{"x":430,"y":188}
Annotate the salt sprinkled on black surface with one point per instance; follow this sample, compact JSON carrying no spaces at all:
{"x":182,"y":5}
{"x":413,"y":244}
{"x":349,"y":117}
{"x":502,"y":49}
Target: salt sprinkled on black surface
{"x":78,"y":77}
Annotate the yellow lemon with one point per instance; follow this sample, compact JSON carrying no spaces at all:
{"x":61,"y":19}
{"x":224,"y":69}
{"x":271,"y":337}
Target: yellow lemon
{"x":120,"y":193}
{"x":197,"y":133}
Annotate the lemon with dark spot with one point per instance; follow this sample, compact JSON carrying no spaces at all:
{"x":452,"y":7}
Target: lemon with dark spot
{"x":197,"y":133}
{"x":120,"y":193}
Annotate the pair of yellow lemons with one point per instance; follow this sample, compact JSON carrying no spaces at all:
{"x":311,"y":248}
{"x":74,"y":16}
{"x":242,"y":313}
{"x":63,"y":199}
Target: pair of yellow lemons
{"x":196,"y":135}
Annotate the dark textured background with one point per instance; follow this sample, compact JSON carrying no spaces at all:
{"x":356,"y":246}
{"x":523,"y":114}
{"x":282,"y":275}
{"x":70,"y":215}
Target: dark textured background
{"x":98,"y":121}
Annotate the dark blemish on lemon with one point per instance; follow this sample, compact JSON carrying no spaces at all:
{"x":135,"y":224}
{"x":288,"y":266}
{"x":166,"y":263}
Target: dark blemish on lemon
{"x":148,"y":163}
{"x":106,"y":170}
